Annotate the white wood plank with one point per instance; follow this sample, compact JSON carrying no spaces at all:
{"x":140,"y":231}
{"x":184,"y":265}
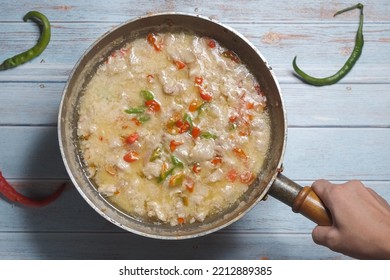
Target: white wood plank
{"x":129,"y":246}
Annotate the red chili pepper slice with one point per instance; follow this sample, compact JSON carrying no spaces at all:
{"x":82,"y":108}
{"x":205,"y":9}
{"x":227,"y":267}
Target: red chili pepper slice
{"x":198,"y":80}
{"x":212,"y":44}
{"x":131,"y":156}
{"x":132,"y":138}
{"x":174,"y":144}
{"x":196,"y":168}
{"x":180,"y":220}
{"x":182,"y":126}
{"x":153,"y":105}
{"x":216,"y":160}
{"x":10,"y":193}
{"x":180,"y":64}
{"x":232,"y":175}
{"x":205,"y":95}
{"x":195,"y":133}
{"x":153,"y":42}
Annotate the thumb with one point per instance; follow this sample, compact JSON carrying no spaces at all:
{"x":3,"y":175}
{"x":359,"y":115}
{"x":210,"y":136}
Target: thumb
{"x":322,"y":235}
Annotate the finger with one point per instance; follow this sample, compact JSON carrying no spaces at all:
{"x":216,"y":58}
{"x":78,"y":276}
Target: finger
{"x":321,"y":188}
{"x":320,"y":235}
{"x":378,"y":197}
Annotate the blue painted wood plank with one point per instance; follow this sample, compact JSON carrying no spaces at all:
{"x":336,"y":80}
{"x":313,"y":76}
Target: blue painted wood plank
{"x":321,"y":49}
{"x":71,"y":214}
{"x":338,"y":132}
{"x":311,"y":153}
{"x":232,"y":11}
{"x":358,"y":105}
{"x":128,"y":246}
{"x":30,"y":152}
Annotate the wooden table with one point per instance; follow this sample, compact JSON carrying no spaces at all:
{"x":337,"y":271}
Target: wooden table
{"x":338,"y":132}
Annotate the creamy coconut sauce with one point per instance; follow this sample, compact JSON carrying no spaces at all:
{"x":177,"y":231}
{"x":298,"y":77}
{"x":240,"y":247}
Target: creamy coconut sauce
{"x":173,"y":127}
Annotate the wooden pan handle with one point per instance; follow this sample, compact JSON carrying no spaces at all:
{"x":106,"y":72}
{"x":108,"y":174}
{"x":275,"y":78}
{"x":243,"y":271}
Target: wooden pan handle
{"x":302,"y":200}
{"x":310,"y":205}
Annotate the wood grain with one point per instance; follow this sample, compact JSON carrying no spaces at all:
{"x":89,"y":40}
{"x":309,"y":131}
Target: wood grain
{"x":338,"y":132}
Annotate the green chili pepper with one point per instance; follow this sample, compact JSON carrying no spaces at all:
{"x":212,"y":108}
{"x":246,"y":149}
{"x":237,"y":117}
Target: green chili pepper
{"x":156,"y":154}
{"x":147,"y":95}
{"x":188,"y":119}
{"x":208,"y":135}
{"x":359,"y":42}
{"x":143,"y":118}
{"x":163,"y":176}
{"x":135,"y":110}
{"x":38,"y":48}
{"x":176,"y":162}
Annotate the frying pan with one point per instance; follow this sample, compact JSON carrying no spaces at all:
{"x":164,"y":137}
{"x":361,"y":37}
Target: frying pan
{"x":268,"y":182}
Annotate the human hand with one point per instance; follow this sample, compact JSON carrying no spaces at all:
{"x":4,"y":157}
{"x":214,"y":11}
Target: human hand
{"x":361,"y":220}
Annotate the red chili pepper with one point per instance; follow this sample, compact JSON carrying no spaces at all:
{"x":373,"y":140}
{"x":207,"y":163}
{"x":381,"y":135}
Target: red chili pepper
{"x":136,"y":121}
{"x":153,"y":105}
{"x":240,"y":153}
{"x":212,"y":44}
{"x":198,"y":80}
{"x":196,"y":168}
{"x":180,"y":220}
{"x":216,"y":160}
{"x":174,"y":144}
{"x":180,"y":64}
{"x":131,"y":156}
{"x":195,"y":133}
{"x":232,"y":175}
{"x":194,"y":105}
{"x":153,"y":42}
{"x":132,"y":138}
{"x":182,"y":126}
{"x":10,"y":193}
{"x":205,"y":95}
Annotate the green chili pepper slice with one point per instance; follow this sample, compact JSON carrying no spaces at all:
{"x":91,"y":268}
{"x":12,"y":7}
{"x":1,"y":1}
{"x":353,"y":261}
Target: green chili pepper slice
{"x":143,"y":118}
{"x":38,"y":48}
{"x":208,"y":135}
{"x":156,"y":154}
{"x":135,"y":110}
{"x":177,"y":162}
{"x":147,"y":95}
{"x":163,"y":176}
{"x":188,"y":119}
{"x":359,"y":42}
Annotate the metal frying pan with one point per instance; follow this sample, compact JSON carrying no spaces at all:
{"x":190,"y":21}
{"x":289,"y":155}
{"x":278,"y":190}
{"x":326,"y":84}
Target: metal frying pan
{"x":269,"y":180}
